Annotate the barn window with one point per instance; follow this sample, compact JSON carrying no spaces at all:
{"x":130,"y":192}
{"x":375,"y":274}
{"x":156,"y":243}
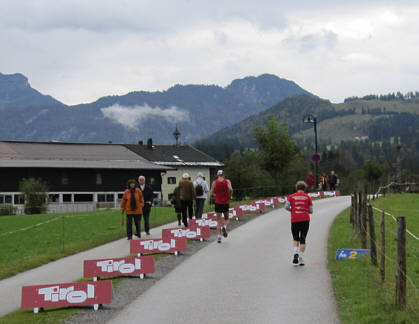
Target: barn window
{"x":98,"y":178}
{"x":64,"y":178}
{"x":171,"y":180}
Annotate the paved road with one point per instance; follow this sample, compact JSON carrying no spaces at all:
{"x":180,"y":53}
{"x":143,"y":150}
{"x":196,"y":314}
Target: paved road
{"x":248,"y":278}
{"x":63,"y":270}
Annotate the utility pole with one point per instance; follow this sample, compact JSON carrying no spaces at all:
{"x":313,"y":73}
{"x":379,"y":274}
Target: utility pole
{"x":310,"y":119}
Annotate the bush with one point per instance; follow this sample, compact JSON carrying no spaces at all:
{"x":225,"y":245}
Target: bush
{"x":35,"y":193}
{"x":6,"y":210}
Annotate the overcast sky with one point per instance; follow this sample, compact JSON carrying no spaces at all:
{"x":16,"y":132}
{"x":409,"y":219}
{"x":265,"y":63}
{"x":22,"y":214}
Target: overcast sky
{"x":80,"y":50}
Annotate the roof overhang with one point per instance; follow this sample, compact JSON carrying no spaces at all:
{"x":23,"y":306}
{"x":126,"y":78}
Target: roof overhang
{"x":82,"y":164}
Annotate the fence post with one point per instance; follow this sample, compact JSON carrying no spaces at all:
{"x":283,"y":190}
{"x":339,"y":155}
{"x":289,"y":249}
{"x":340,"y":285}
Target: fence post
{"x":358,"y":212}
{"x":383,"y":248}
{"x":364,"y":221}
{"x":401,"y":264}
{"x":351,"y":213}
{"x":372,"y":235}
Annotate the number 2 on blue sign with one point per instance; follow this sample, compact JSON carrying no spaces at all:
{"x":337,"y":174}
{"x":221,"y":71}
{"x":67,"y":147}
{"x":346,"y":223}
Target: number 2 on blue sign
{"x":353,"y":254}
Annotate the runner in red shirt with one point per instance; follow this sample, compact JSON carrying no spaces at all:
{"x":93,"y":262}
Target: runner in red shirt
{"x":221,"y":190}
{"x":300,"y":206}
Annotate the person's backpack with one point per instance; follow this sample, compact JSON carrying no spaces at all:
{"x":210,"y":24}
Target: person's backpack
{"x":199,"y":190}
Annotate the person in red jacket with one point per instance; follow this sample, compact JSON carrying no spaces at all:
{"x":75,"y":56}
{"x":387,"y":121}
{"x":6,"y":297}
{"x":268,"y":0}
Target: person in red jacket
{"x":310,"y":181}
{"x":221,"y":190}
{"x":300,"y":206}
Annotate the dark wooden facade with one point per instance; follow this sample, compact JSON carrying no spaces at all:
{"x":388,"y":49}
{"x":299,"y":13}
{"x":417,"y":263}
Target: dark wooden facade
{"x":77,"y":180}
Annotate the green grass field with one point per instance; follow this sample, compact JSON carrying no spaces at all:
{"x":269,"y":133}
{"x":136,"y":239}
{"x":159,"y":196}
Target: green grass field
{"x":360,"y":295}
{"x":64,"y":235}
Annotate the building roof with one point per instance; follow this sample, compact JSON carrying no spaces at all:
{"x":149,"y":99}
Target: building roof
{"x":72,"y":155}
{"x":174,"y":155}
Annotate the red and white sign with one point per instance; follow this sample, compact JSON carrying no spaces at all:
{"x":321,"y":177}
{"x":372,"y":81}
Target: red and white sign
{"x":67,"y":294}
{"x":209,"y":221}
{"x":194,"y":232}
{"x":235,"y":212}
{"x":158,"y":245}
{"x":114,"y":267}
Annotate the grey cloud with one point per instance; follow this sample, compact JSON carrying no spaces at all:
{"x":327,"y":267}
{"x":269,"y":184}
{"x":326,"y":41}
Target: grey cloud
{"x":132,"y":116}
{"x":307,"y":43}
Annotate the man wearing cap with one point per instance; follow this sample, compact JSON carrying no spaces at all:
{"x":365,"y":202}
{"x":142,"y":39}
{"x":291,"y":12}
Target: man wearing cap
{"x":187,"y":196}
{"x":221,"y":190}
{"x":201,"y":190}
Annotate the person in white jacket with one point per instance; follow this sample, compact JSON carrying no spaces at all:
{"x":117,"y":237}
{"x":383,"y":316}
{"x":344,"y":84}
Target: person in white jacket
{"x":201,"y":189}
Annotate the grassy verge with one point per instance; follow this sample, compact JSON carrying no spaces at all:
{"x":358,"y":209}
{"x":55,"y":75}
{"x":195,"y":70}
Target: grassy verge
{"x":64,"y":235}
{"x":360,"y":295}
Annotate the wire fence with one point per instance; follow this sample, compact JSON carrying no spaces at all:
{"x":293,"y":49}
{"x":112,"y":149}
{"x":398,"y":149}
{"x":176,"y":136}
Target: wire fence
{"x":362,"y":214}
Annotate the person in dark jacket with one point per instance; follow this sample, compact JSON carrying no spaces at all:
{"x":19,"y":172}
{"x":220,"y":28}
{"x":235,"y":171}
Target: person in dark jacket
{"x":148,"y":202}
{"x":187,"y":196}
{"x":132,"y":204}
{"x":177,"y":204}
{"x":333,"y":180}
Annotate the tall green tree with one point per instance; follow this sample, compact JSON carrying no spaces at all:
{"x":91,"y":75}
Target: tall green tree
{"x":277,"y":150}
{"x":35,"y":193}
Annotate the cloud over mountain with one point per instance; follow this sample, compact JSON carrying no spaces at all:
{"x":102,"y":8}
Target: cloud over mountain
{"x":132,"y":116}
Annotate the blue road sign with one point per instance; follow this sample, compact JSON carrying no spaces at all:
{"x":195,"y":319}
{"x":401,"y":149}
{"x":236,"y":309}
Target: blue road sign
{"x":350,"y":253}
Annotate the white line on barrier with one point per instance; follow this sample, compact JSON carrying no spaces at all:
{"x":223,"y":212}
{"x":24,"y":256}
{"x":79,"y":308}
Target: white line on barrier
{"x":409,"y":232}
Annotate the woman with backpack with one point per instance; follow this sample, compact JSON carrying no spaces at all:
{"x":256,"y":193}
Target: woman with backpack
{"x":201,"y":189}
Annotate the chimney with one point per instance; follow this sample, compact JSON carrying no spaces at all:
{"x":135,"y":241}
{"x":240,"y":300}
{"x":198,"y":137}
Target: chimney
{"x":140,"y":142}
{"x":150,"y":143}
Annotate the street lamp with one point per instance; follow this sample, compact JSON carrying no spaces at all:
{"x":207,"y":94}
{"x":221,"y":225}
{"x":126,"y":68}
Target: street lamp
{"x":311,"y":119}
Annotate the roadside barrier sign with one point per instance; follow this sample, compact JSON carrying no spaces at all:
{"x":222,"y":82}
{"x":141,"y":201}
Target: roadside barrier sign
{"x":211,"y":222}
{"x":114,"y":267}
{"x":194,"y":232}
{"x":235,"y":212}
{"x":67,"y":294}
{"x":350,"y":253}
{"x":158,"y":245}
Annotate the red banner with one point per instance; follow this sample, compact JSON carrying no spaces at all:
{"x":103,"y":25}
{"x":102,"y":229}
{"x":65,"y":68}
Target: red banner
{"x":209,"y":221}
{"x":67,"y":294}
{"x":158,"y":245}
{"x":114,"y":267}
{"x":194,"y":232}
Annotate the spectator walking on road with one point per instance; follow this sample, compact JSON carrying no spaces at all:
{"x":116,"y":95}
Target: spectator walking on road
{"x":221,"y":190}
{"x":187,"y":196}
{"x":177,"y":204}
{"x":147,"y":192}
{"x":300,"y":206}
{"x":310,"y":181}
{"x":324,"y":182}
{"x":333,"y":180}
{"x":132,"y":205}
{"x":201,"y":190}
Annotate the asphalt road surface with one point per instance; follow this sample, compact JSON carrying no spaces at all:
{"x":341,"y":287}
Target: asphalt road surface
{"x":248,"y":278}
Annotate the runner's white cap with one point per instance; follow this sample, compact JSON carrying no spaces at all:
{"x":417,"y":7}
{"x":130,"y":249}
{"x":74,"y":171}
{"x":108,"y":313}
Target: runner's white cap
{"x":185,"y":175}
{"x":220,"y":172}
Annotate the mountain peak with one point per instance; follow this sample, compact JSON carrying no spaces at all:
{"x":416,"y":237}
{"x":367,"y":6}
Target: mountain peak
{"x":15,"y":81}
{"x":265,"y":89}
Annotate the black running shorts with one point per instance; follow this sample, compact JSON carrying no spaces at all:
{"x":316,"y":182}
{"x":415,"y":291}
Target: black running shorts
{"x":221,"y":208}
{"x":299,"y":231}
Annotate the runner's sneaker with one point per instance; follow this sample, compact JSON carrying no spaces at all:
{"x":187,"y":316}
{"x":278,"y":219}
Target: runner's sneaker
{"x":301,"y":260}
{"x":224,"y":231}
{"x":219,"y":239}
{"x":295,"y":260}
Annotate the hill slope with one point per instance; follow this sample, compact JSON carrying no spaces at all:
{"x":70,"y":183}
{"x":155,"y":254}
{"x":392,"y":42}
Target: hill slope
{"x":198,"y":110}
{"x":378,"y":120}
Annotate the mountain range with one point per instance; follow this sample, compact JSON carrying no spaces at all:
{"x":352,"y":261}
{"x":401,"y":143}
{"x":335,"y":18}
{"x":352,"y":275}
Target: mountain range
{"x":197,"y":111}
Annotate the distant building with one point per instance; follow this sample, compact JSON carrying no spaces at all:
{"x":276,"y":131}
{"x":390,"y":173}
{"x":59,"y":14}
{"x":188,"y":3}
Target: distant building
{"x":80,"y":176}
{"x":183,"y":158}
